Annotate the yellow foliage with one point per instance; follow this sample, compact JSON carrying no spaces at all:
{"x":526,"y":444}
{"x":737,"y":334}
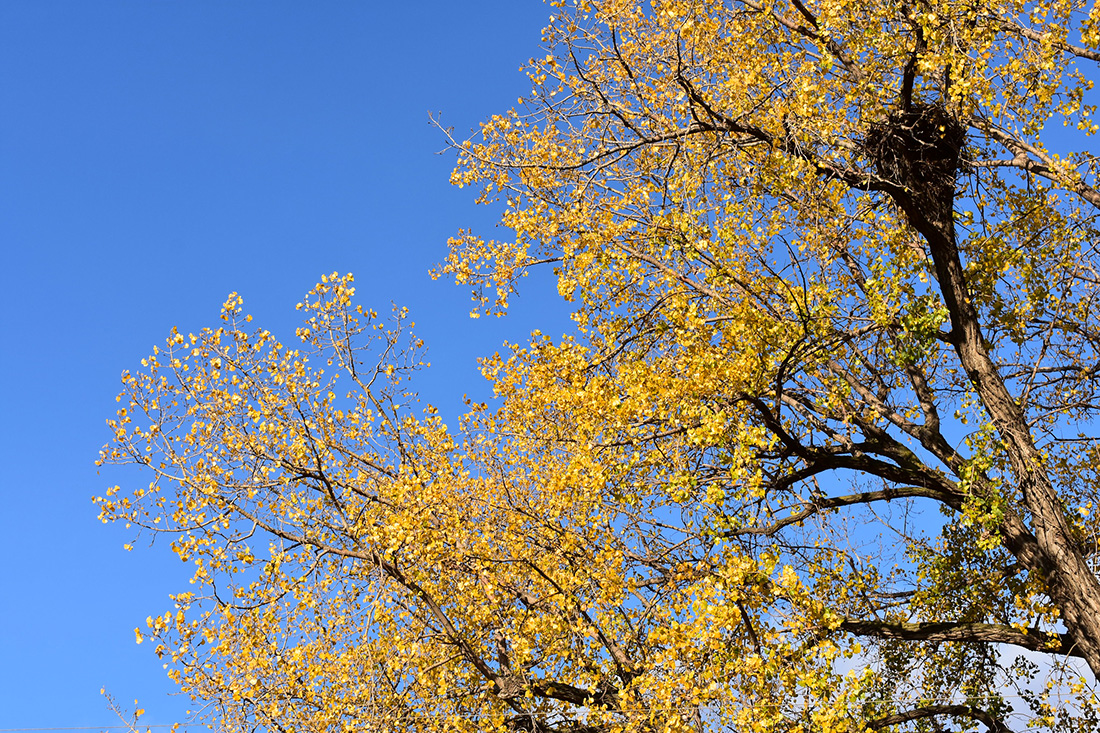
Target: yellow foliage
{"x":827,"y":278}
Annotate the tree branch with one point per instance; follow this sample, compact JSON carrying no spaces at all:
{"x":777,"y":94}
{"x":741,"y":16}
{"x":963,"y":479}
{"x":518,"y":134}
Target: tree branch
{"x":990,"y":721}
{"x":834,"y":502}
{"x":973,"y":633}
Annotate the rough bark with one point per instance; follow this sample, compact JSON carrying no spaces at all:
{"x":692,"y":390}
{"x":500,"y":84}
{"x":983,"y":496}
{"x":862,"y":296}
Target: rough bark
{"x":919,"y":152}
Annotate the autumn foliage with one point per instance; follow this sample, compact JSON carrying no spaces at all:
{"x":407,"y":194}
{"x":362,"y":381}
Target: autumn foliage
{"x":819,"y":455}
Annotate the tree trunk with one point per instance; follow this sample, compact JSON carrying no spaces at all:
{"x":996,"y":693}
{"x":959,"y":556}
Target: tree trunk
{"x":918,"y":151}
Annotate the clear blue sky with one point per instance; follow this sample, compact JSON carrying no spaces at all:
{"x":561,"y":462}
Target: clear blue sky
{"x":154,"y":156}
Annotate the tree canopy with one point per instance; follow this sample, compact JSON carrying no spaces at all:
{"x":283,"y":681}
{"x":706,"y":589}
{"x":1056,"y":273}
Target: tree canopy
{"x":819,"y":455}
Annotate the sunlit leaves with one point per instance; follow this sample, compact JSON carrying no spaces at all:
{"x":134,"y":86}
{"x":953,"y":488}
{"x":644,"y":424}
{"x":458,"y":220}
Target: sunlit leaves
{"x":762,"y":485}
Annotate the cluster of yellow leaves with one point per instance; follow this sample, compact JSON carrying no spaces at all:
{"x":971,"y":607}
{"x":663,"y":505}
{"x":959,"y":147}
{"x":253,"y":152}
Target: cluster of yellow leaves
{"x":354,"y":566}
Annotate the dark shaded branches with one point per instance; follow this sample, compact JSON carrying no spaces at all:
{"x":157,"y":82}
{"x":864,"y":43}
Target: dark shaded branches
{"x":969,"y":633}
{"x":992,"y":722}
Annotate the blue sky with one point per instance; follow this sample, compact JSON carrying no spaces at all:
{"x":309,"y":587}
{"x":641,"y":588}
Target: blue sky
{"x":154,"y":156}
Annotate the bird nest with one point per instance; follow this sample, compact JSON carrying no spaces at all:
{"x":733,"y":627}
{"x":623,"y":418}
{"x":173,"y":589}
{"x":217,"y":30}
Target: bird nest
{"x":920,"y":149}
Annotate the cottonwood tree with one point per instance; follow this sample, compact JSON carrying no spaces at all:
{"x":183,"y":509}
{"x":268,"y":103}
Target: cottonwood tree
{"x":820,"y":454}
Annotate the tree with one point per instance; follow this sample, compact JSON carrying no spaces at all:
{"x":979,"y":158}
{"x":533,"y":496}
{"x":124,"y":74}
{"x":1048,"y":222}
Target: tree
{"x":819,"y":456}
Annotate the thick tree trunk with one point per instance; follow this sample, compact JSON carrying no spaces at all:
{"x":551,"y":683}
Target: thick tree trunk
{"x":919,"y":151}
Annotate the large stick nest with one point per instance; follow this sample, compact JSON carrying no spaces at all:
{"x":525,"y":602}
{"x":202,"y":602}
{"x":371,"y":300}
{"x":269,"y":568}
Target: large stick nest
{"x":919,"y":149}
